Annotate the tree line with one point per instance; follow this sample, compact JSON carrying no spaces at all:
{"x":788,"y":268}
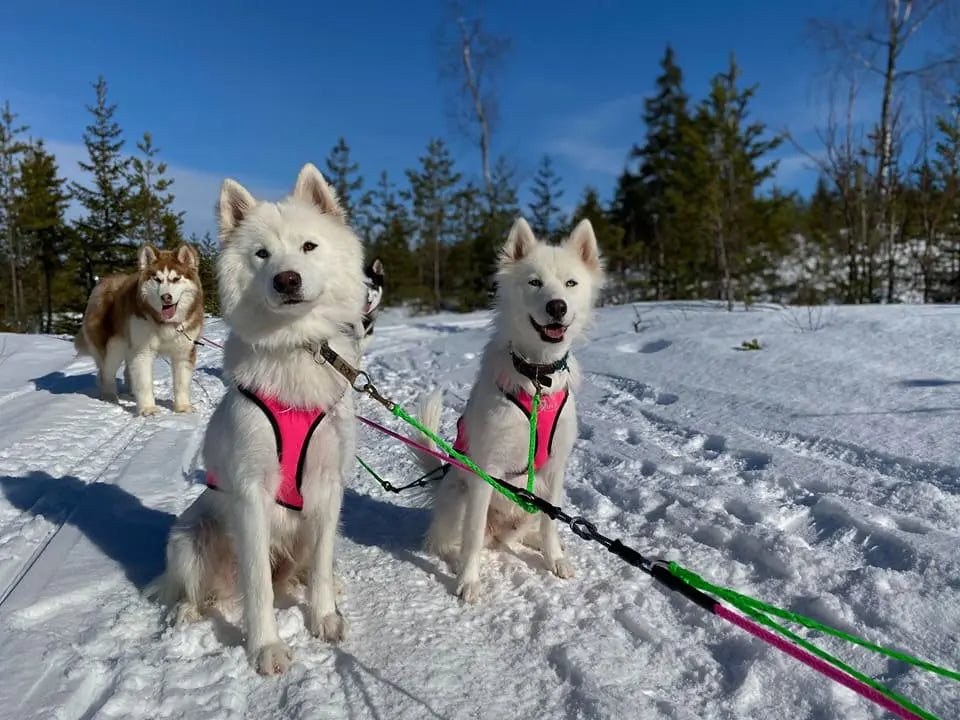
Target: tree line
{"x":694,"y":214}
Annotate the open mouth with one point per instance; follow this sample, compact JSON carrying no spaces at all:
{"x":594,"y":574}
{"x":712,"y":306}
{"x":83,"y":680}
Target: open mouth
{"x":168,"y":311}
{"x":551,"y":333}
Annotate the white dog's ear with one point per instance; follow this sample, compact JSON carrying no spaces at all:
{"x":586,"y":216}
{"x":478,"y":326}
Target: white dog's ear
{"x":188,"y":256}
{"x":583,"y":241}
{"x":235,"y":203}
{"x":314,"y":189}
{"x":147,"y":254}
{"x":520,"y":241}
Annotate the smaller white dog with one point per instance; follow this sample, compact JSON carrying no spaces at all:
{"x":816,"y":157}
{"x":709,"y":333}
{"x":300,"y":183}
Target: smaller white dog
{"x":545,"y":298}
{"x":280,"y":444}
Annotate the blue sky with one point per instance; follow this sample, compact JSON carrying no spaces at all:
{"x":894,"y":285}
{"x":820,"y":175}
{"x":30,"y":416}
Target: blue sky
{"x":254,"y":91}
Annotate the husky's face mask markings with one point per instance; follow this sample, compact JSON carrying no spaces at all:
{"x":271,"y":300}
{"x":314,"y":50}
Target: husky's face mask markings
{"x":164,"y":285}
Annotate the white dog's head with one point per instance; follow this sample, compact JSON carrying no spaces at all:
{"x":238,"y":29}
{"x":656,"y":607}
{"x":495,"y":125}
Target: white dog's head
{"x":546,"y":293}
{"x":291,"y":271}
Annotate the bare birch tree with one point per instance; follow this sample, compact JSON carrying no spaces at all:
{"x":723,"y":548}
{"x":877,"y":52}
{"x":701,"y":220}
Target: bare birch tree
{"x":470,"y":57}
{"x":877,"y":48}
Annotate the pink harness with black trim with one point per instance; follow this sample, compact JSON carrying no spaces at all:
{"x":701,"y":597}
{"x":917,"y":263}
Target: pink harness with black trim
{"x":292,"y":429}
{"x":548,"y":411}
{"x":548,"y":416}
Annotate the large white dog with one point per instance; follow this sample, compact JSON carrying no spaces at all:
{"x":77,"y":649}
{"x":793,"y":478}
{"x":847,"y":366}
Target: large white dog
{"x":281,"y":443}
{"x":545,"y":299}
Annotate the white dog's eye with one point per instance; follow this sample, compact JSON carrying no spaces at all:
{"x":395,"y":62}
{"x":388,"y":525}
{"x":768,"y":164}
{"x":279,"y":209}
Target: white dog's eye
{"x":572,"y":283}
{"x":536,"y":282}
{"x":157,"y":280}
{"x":308,"y":246}
{"x":262,"y":253}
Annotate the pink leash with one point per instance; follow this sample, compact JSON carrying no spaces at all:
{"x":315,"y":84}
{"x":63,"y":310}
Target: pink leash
{"x":413,"y":443}
{"x":815,"y":663}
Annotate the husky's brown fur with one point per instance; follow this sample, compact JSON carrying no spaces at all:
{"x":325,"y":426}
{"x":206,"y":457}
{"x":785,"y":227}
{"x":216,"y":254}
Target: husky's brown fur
{"x":120,"y":323}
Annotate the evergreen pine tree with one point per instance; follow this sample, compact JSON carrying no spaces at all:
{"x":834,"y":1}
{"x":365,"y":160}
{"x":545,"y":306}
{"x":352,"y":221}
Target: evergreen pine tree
{"x":665,"y":189}
{"x":504,"y":208}
{"x":103,"y":232}
{"x":609,"y":235}
{"x":433,"y":190}
{"x":462,"y":264}
{"x":11,"y":150}
{"x":343,"y":175}
{"x":39,"y":213}
{"x":391,"y":234}
{"x":208,"y":250}
{"x":630,"y":211}
{"x":152,"y":217}
{"x":546,"y":219}
{"x":947,"y":171}
{"x":731,"y":177}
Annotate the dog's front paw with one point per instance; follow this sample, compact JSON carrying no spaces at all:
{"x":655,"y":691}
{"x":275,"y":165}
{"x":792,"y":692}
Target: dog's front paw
{"x":561,"y":567}
{"x":148,"y":410}
{"x":184,"y":408}
{"x":470,"y":592}
{"x":332,"y":627}
{"x":272,"y":659}
{"x":185,"y":612}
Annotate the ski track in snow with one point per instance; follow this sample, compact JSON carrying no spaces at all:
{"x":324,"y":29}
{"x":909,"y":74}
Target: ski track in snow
{"x":818,"y":474}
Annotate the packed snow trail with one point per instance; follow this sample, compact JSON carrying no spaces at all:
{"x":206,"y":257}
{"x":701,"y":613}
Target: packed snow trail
{"x":819,"y":473}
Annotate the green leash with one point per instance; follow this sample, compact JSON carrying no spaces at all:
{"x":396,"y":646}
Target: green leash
{"x":535,"y":404}
{"x":750,"y":606}
{"x":753,"y":606}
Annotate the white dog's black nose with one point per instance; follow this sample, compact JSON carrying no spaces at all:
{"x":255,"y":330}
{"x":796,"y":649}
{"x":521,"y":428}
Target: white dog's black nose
{"x":166,"y":299}
{"x":556,"y":309}
{"x":288,"y":282}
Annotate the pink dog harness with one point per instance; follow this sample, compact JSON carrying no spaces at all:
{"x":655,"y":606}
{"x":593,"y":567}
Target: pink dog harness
{"x":292,"y":429}
{"x":548,"y":416}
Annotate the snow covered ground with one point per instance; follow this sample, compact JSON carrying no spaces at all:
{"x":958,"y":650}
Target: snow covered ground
{"x":821,"y":474}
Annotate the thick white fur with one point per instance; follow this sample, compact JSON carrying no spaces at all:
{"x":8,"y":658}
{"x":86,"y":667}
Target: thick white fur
{"x":239,"y":533}
{"x":467,"y":512}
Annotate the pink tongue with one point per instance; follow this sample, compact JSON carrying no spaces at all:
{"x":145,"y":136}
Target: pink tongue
{"x":555,"y":331}
{"x":168,"y":311}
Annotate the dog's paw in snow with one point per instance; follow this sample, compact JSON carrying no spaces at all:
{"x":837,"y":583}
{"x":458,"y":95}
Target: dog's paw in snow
{"x":185,"y":612}
{"x":560,"y":567}
{"x":470,"y":592}
{"x":149,"y":410}
{"x":273,"y":659}
{"x":184,"y":408}
{"x":332,"y":627}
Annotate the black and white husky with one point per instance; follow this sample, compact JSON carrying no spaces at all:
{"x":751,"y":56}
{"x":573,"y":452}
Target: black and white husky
{"x":373,"y":281}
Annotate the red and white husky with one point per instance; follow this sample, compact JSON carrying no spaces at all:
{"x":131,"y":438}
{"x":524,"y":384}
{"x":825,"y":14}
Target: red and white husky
{"x":131,"y":319}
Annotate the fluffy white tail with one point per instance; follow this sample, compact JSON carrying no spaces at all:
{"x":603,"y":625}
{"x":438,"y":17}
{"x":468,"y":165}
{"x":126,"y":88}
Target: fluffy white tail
{"x":431,"y":407}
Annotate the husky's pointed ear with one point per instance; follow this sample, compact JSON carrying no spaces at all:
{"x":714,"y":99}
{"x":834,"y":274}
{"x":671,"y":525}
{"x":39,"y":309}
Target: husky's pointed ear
{"x":520,"y":242}
{"x":187,"y":255}
{"x":147,"y":254}
{"x":583,"y":241}
{"x":235,"y":203}
{"x":377,"y":266}
{"x":314,"y":189}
